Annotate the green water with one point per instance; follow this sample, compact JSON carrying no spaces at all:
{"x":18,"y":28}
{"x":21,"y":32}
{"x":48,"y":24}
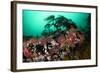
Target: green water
{"x":33,"y":21}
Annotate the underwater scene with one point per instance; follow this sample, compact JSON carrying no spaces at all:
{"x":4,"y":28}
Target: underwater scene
{"x":56,"y":36}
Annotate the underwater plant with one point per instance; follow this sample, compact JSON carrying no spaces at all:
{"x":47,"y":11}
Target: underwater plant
{"x":60,"y":24}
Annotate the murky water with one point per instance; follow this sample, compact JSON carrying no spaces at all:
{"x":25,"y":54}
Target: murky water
{"x":33,"y":21}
